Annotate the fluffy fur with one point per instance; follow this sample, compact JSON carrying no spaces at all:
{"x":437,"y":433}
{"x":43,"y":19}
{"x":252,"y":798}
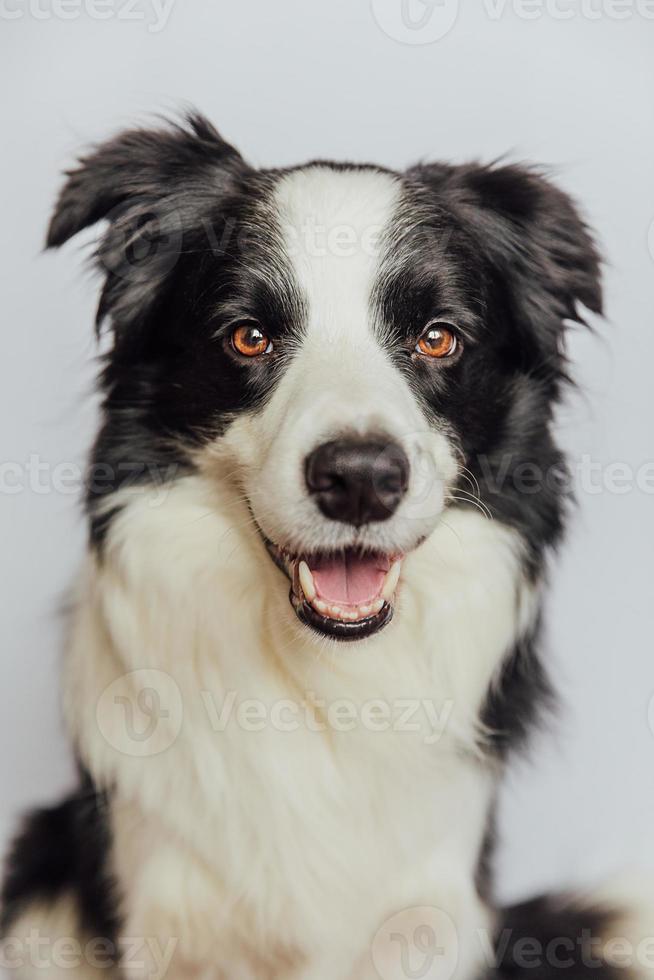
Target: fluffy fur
{"x":257,"y":799}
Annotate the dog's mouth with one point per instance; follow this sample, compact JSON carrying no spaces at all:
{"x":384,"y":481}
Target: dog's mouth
{"x":345,"y":595}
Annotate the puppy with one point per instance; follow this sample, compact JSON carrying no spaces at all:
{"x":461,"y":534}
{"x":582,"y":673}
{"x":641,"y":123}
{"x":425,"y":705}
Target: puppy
{"x":305,"y":638}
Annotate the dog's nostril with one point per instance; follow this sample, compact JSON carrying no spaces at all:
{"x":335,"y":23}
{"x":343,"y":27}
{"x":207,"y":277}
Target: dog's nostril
{"x":357,"y":480}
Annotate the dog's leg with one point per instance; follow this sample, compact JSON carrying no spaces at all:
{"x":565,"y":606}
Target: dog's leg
{"x":57,"y":915}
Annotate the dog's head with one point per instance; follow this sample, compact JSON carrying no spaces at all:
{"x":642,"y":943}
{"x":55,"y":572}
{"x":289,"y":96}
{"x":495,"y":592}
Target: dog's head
{"x":358,"y":349}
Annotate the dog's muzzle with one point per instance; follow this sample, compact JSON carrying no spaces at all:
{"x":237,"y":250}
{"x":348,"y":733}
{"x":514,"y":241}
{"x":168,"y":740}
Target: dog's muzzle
{"x":349,"y":594}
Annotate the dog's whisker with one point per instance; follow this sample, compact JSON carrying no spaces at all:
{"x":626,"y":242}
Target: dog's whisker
{"x":471,"y":500}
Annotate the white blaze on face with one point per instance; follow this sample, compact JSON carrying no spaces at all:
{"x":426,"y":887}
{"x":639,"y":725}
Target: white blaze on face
{"x":341,"y":380}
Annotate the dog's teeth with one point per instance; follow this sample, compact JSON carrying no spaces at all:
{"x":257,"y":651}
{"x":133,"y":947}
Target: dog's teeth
{"x":306,"y":581}
{"x":391,"y":580}
{"x":349,"y":615}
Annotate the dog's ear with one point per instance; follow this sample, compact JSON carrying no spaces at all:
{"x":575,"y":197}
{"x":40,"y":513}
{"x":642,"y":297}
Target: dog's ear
{"x":543,"y":255}
{"x":154,"y":188}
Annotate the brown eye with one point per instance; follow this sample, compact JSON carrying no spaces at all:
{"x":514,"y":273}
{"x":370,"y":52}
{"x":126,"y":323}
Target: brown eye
{"x":248,"y":339}
{"x":438,"y":340}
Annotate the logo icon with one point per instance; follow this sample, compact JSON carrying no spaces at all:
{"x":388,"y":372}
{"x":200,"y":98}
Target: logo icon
{"x":416,"y":21}
{"x":416,"y":944}
{"x":140,"y":713}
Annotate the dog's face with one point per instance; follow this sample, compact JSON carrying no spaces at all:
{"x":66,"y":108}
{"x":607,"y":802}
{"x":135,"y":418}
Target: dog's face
{"x":356,"y":349}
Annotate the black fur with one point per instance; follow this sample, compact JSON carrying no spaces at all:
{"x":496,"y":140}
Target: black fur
{"x":190,"y":247}
{"x":61,"y":849}
{"x":498,"y":251}
{"x":504,"y":256}
{"x":519,"y":697}
{"x":187,"y":234}
{"x":546,"y":939}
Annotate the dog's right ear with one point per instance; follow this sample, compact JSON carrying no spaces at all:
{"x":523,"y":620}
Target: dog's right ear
{"x":154,"y":187}
{"x":536,"y":242}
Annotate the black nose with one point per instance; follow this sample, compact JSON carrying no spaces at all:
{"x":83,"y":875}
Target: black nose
{"x":357,"y":481}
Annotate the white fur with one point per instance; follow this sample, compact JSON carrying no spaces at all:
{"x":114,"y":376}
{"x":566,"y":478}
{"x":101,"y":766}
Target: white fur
{"x":257,"y":833}
{"x":279,"y":852}
{"x":341,"y":379}
{"x":290,"y":842}
{"x":274,"y":852}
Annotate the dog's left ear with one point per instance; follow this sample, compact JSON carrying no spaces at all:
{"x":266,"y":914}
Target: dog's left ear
{"x":158,"y":191}
{"x":544,"y":257}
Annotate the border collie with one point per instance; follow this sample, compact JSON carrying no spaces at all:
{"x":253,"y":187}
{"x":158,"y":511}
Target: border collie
{"x":305,"y":638}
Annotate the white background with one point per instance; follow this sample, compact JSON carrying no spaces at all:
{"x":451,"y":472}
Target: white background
{"x":291,"y":80}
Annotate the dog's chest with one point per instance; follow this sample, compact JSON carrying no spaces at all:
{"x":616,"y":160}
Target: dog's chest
{"x":304,"y":835}
{"x":336,"y":790}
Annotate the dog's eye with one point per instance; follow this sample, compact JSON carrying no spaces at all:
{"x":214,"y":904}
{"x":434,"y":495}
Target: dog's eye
{"x":248,"y":339}
{"x":438,"y":340}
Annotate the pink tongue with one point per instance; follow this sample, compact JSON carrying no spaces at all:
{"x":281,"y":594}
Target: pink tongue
{"x":349,"y":578}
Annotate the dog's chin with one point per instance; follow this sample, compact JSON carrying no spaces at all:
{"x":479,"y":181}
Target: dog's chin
{"x":338,"y":629}
{"x":343,"y":595}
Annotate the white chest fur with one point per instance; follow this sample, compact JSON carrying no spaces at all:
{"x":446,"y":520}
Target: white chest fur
{"x":276,"y":797}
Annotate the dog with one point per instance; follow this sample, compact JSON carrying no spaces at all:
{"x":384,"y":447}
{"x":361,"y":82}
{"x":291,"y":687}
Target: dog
{"x":305,"y":641}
